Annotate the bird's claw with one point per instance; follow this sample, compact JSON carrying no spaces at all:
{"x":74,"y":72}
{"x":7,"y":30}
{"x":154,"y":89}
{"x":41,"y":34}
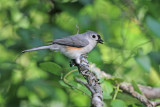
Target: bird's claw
{"x":73,"y":63}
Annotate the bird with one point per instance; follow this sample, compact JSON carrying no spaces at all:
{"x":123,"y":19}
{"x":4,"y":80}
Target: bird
{"x":73,"y":46}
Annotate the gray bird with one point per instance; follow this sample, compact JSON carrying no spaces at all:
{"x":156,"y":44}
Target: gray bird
{"x":73,"y":46}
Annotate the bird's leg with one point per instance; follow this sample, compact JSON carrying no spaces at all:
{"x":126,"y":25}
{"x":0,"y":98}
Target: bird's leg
{"x":71,"y":63}
{"x":85,"y":58}
{"x":77,"y":61}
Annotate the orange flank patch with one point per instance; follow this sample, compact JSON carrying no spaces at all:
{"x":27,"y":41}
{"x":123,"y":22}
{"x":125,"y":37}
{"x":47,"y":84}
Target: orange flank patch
{"x":74,"y":48}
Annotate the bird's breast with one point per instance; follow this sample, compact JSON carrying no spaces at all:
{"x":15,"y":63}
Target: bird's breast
{"x":71,"y":52}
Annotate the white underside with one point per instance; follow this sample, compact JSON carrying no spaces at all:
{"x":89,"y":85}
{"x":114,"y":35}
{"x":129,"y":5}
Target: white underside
{"x":74,"y":53}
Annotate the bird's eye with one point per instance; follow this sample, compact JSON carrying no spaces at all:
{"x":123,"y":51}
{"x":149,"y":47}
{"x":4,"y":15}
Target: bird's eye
{"x":93,"y":36}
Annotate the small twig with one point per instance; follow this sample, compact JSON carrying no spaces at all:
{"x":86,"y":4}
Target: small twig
{"x":85,"y":84}
{"x":66,"y":82}
{"x":77,"y":29}
{"x":116,"y":92}
{"x":68,"y":75}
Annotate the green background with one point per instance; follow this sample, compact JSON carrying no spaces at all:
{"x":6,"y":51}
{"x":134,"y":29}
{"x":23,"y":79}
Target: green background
{"x":131,"y":52}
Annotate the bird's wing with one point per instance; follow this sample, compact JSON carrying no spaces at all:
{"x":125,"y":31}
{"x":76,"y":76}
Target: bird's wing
{"x":74,"y":41}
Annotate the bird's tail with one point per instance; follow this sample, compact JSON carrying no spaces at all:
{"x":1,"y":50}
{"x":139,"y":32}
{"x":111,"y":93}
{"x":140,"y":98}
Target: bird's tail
{"x":37,"y":48}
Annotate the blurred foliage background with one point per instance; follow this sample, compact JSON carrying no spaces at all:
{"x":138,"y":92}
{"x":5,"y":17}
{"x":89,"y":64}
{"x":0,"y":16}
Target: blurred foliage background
{"x":130,"y":29}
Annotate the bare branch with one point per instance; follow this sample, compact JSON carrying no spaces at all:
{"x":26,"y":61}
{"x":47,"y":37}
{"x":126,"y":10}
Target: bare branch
{"x":155,"y":103}
{"x":129,"y":89}
{"x":148,"y":92}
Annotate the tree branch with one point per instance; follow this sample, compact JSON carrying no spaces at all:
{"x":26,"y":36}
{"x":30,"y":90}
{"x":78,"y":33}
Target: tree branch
{"x":148,"y":92}
{"x":92,"y":83}
{"x":129,"y":89}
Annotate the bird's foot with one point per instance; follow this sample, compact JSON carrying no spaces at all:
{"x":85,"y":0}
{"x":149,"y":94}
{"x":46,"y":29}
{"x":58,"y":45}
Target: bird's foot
{"x":73,"y":63}
{"x":85,"y":55}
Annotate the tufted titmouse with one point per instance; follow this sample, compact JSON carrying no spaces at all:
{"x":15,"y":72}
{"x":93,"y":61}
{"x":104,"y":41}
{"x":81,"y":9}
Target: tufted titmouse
{"x":73,"y":46}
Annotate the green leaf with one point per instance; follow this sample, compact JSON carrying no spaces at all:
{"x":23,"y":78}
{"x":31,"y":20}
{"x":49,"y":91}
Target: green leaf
{"x":84,"y":89}
{"x":118,"y":103}
{"x":144,"y":62}
{"x":97,"y":60}
{"x":154,"y":25}
{"x":128,"y":99}
{"x":155,"y":56}
{"x":135,"y":87}
{"x":115,"y":80}
{"x":51,"y":67}
{"x":107,"y":89}
{"x":154,"y":78}
{"x":64,"y":84}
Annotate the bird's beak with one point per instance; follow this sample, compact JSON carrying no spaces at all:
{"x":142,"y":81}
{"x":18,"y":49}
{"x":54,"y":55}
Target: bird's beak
{"x":100,"y":41}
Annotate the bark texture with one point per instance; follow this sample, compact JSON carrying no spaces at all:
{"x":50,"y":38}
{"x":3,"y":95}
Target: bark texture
{"x":92,"y":84}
